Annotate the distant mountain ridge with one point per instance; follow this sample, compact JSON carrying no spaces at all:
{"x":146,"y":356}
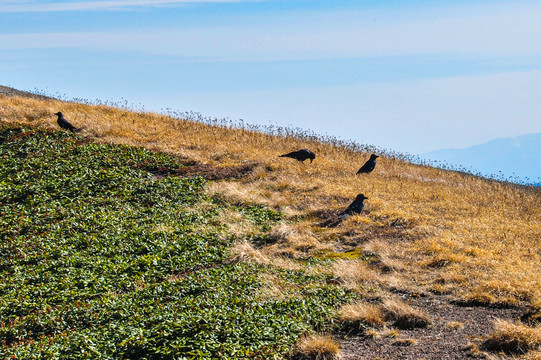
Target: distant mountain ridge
{"x":512,"y":158}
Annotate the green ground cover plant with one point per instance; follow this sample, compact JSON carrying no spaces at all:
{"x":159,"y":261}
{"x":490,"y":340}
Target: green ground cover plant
{"x":101,"y":259}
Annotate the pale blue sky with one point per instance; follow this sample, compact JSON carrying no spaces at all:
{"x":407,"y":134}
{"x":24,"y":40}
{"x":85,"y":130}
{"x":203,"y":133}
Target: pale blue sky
{"x":411,"y":76}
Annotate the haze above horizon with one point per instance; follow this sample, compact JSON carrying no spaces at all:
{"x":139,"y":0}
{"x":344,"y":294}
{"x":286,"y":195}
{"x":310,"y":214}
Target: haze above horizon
{"x":412,"y":77}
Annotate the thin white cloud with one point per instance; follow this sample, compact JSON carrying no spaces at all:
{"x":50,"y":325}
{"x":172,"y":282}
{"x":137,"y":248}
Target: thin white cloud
{"x":26,"y":6}
{"x":510,"y":31}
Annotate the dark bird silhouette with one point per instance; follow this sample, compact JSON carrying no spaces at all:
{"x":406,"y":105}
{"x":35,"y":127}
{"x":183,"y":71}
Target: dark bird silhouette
{"x":64,"y":124}
{"x":369,"y":165}
{"x":355,"y":207}
{"x":301,"y":155}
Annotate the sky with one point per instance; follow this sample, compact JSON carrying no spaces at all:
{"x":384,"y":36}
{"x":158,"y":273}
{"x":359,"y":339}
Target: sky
{"x":408,"y":76}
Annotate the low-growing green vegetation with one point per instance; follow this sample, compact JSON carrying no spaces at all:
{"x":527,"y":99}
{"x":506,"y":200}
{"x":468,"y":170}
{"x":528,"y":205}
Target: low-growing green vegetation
{"x":102,"y":259}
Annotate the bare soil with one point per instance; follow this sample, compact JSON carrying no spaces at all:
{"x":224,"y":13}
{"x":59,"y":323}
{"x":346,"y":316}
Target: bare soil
{"x":193,"y":168}
{"x":439,"y":341}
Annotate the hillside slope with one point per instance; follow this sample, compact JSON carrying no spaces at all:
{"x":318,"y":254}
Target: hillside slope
{"x":8,"y":91}
{"x":424,"y":232}
{"x":105,"y":251}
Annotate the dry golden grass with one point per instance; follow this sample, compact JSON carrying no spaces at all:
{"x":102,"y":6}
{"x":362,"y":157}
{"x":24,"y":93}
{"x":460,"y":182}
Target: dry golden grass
{"x":392,"y":333}
{"x":533,"y":316}
{"x":372,"y":333}
{"x":424,"y":223}
{"x":404,"y":316}
{"x":317,"y":347}
{"x":236,"y":224}
{"x":472,"y":350}
{"x":273,"y":287}
{"x":354,"y":274}
{"x":405,"y":342}
{"x":513,"y":338}
{"x":357,"y":316}
{"x":295,"y":241}
{"x":532,"y":355}
{"x":244,"y":251}
{"x":454,"y":325}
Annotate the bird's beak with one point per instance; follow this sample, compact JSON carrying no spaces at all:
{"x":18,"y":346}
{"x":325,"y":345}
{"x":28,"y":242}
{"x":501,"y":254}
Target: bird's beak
{"x":311,"y":160}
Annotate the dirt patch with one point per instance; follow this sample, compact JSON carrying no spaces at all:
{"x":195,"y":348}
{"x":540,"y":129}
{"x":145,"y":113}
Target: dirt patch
{"x":329,"y":217}
{"x":217,"y":173}
{"x":455,"y":334}
{"x":193,"y":168}
{"x":21,"y":135}
{"x":387,"y":233}
{"x":532,"y":317}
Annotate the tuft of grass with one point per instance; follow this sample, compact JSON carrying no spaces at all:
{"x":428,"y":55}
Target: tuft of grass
{"x":454,"y":325}
{"x":317,"y":347}
{"x":372,"y":333}
{"x":513,"y":338}
{"x":443,"y":260}
{"x":532,"y":355}
{"x":358,"y":316}
{"x":472,"y":349}
{"x":405,"y":342}
{"x":404,"y":316}
{"x":392,"y":333}
{"x":477,"y":297}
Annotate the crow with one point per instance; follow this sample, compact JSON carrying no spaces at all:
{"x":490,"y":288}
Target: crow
{"x":355,"y":207}
{"x":64,"y":124}
{"x":369,"y":165}
{"x":301,"y":155}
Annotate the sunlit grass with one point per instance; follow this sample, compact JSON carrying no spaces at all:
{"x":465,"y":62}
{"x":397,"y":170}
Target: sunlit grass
{"x":449,"y":232}
{"x":317,"y":347}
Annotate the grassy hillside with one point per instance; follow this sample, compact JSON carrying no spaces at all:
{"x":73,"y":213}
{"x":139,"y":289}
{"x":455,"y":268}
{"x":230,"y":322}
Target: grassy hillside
{"x":101,"y":256}
{"x":125,"y":227}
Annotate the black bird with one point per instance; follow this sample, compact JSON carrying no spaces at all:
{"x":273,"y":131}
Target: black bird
{"x":369,"y":165}
{"x":301,"y":155}
{"x":355,"y":207}
{"x":64,"y":124}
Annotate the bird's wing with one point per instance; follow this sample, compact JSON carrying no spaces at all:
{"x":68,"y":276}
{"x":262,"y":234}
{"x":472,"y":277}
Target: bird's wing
{"x":367,"y":167}
{"x":294,"y":155}
{"x":362,"y":169}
